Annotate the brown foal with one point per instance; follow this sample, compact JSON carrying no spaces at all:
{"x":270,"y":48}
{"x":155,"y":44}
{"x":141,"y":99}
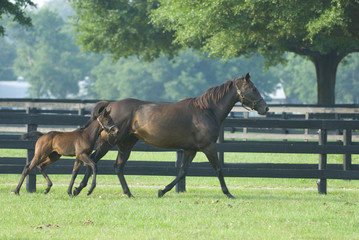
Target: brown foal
{"x":80,"y":143}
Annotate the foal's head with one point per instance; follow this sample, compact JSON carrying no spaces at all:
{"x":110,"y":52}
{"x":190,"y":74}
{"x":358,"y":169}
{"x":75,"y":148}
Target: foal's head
{"x":249,"y":95}
{"x":107,"y":124}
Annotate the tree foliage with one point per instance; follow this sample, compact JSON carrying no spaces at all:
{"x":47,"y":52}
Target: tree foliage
{"x":188,"y":75}
{"x":325,"y":31}
{"x":122,"y":28}
{"x":348,"y":76}
{"x":15,"y":9}
{"x":48,"y":57}
{"x":8,"y":55}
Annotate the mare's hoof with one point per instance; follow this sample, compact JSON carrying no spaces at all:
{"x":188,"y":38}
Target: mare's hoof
{"x":230,"y":196}
{"x":160,"y":193}
{"x":76,"y":191}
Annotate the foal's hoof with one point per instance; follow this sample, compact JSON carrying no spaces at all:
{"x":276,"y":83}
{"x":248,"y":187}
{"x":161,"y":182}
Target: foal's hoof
{"x":160,"y":193}
{"x":16,"y":192}
{"x":76,"y":191}
{"x":130,"y":196}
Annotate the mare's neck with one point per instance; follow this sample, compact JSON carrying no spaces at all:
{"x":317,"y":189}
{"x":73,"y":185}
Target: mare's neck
{"x":222,"y":108}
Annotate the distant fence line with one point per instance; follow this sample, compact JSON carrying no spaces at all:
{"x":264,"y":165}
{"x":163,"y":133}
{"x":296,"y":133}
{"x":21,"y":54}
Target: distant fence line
{"x":319,"y":133}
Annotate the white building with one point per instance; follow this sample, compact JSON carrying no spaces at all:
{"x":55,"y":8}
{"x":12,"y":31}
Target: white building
{"x":278,"y":97}
{"x":14,"y":89}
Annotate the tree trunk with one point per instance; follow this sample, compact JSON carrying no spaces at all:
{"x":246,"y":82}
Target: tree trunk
{"x":326,"y":68}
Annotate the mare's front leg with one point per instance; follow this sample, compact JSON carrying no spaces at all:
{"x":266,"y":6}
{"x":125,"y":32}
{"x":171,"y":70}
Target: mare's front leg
{"x":102,"y":148}
{"x":124,"y":151}
{"x":186,"y":161}
{"x":75,"y":171}
{"x":211,"y":153}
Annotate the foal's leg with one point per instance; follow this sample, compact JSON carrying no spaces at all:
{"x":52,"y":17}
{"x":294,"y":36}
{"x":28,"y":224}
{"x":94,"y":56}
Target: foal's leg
{"x":211,"y":153}
{"x":102,"y":148}
{"x":86,"y":159}
{"x":28,"y":167}
{"x":124,"y":151}
{"x":75,"y":171}
{"x":51,"y":159}
{"x":186,"y":161}
{"x":25,"y":172}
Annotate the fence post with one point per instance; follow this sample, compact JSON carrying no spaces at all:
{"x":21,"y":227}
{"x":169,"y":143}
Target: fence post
{"x":81,"y":111}
{"x":31,"y":178}
{"x":245,"y":130}
{"x":181,"y":185}
{"x":347,"y":157}
{"x":322,"y":183}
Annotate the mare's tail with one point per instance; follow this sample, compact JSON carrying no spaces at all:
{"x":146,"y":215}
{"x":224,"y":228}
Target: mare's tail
{"x":31,"y":134}
{"x":98,"y":108}
{"x":96,"y":111}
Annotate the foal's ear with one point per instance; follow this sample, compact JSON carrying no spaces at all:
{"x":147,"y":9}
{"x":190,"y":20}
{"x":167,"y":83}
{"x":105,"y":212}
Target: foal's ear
{"x":106,"y":113}
{"x":247,"y":77}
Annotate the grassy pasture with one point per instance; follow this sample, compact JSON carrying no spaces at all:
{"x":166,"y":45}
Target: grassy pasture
{"x":263,"y":209}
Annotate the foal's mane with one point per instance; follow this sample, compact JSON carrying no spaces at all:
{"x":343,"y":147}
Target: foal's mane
{"x":211,"y":96}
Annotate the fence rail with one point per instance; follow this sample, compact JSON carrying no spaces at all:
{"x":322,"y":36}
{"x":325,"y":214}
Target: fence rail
{"x":321,"y":132}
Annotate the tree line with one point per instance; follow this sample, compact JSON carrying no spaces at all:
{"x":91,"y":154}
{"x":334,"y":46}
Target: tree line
{"x":47,"y":56}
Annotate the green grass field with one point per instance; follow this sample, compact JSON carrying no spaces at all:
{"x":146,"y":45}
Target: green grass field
{"x":263,"y":208}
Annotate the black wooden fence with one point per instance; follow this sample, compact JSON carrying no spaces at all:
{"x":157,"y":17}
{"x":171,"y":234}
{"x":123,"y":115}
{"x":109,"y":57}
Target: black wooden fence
{"x":322,"y":147}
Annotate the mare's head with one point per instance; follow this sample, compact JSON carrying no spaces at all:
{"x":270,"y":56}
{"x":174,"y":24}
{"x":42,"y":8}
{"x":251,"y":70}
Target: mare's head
{"x":249,"y":96}
{"x":107,"y":124}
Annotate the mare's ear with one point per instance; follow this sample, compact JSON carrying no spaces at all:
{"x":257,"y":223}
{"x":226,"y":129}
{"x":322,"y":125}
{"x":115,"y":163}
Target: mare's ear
{"x":247,"y":77}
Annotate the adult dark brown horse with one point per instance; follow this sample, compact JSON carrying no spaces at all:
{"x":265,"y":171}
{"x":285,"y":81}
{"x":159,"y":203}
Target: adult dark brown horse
{"x":80,"y":143}
{"x":191,"y":124}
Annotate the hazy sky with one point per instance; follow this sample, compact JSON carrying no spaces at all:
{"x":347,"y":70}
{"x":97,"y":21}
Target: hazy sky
{"x":39,"y":3}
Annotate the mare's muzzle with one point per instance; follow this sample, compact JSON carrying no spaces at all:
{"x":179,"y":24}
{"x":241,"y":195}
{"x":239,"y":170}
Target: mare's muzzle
{"x":261,"y":107}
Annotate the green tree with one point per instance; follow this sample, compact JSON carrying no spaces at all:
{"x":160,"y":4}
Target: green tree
{"x":15,"y":9}
{"x":122,"y":28}
{"x":7,"y":57}
{"x":348,"y":76}
{"x":325,"y":31}
{"x":188,"y":75}
{"x":48,"y":57}
{"x":298,"y":79}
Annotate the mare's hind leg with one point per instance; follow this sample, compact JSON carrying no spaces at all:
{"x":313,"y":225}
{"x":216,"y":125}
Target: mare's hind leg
{"x":124,"y":151}
{"x":102,"y":148}
{"x":186,"y":161}
{"x":211,"y":153}
{"x":75,"y":171}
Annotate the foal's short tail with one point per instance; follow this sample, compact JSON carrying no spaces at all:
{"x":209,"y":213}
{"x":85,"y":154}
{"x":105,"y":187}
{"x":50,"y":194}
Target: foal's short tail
{"x":31,"y":134}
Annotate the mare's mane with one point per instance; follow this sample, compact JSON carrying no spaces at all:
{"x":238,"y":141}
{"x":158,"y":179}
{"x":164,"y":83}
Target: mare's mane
{"x":211,"y":96}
